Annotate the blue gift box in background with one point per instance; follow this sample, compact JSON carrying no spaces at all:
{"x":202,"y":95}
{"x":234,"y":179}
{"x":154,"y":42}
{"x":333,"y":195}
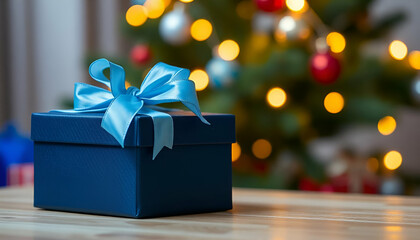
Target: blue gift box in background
{"x":80,"y":167}
{"x":16,"y":157}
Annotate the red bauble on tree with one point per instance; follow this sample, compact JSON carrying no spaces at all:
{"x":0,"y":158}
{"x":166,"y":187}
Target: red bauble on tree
{"x":269,"y":5}
{"x":325,"y":68}
{"x":140,"y":54}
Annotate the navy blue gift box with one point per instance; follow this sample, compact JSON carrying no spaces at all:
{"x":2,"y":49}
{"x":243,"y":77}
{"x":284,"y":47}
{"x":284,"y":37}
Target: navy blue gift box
{"x":79,"y":167}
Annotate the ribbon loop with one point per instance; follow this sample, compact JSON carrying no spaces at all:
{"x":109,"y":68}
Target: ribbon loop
{"x":163,"y":84}
{"x":119,"y":115}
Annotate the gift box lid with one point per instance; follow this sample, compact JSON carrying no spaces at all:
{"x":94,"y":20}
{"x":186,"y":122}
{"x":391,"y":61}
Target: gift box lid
{"x":85,"y":128}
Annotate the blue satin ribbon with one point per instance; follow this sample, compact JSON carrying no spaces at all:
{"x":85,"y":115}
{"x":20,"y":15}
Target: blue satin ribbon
{"x":163,"y":84}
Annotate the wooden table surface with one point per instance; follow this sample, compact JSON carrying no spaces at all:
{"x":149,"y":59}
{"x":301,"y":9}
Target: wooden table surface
{"x":257,"y":214}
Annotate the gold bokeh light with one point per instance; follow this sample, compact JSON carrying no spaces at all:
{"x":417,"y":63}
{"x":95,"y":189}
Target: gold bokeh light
{"x":398,"y":50}
{"x":392,"y":160}
{"x":387,"y":125}
{"x":200,"y":78}
{"x":136,"y":15}
{"x":201,"y":29}
{"x":228,"y":50}
{"x":297,"y":5}
{"x":334,"y":102}
{"x":276,"y":97}
{"x":155,"y":8}
{"x":167,"y":2}
{"x":245,"y":9}
{"x":127,"y":85}
{"x":236,"y":151}
{"x":261,"y":148}
{"x":372,"y":164}
{"x":414,"y":59}
{"x":336,"y":41}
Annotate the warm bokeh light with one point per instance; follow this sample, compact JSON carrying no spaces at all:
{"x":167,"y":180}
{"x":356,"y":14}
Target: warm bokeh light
{"x":336,"y":41}
{"x":291,"y":28}
{"x":287,"y":24}
{"x":398,"y":49}
{"x":393,"y":228}
{"x":297,"y":5}
{"x":127,"y":85}
{"x":201,"y":30}
{"x":228,"y":50}
{"x":155,"y":8}
{"x":136,"y":15}
{"x":259,"y":42}
{"x":392,"y":160}
{"x":167,"y":2}
{"x":186,"y":1}
{"x":261,"y":148}
{"x":372,"y":164}
{"x":245,"y":9}
{"x":334,"y":102}
{"x":414,"y":59}
{"x":276,"y":97}
{"x":387,"y":125}
{"x":236,"y":151}
{"x":200,"y":78}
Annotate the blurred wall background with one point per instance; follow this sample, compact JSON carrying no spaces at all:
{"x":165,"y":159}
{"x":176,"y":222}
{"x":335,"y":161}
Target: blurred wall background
{"x":43,"y":46}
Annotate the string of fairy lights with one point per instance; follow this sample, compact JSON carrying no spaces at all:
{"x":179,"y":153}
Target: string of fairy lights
{"x":293,"y":25}
{"x":386,"y":126}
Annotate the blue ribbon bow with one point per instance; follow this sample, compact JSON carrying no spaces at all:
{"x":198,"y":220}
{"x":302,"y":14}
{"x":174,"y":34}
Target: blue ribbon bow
{"x":163,"y":84}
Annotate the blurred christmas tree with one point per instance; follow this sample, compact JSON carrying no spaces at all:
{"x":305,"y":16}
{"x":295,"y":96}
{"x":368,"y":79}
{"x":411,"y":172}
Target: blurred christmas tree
{"x":291,"y":71}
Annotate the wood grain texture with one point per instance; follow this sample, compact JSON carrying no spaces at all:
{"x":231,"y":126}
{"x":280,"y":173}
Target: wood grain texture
{"x":257,"y":214}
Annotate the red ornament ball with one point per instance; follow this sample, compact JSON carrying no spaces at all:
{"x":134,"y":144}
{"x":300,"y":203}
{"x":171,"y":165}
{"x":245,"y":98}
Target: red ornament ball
{"x":269,"y":5}
{"x":308,"y":184}
{"x":140,"y":54}
{"x":325,"y":68}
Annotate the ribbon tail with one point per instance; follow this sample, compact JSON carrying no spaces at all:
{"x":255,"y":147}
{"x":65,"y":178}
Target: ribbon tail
{"x":196,"y":110}
{"x":120,"y":114}
{"x":163,"y":128}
